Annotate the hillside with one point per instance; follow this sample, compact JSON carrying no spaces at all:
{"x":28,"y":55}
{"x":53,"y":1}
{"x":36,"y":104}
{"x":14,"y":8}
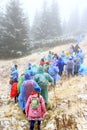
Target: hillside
{"x":67,"y":101}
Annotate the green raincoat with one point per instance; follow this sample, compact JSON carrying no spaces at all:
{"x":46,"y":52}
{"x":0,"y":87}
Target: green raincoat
{"x":46,"y":67}
{"x":20,"y":81}
{"x":43,"y":78}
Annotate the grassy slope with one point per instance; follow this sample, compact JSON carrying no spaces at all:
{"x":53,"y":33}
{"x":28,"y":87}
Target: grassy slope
{"x":62,"y":99}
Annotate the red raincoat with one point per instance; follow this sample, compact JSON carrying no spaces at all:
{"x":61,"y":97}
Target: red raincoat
{"x":14,"y":90}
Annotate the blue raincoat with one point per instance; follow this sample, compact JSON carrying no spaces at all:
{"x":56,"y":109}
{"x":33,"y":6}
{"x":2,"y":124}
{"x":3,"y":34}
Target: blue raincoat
{"x":53,"y":71}
{"x":27,"y":87}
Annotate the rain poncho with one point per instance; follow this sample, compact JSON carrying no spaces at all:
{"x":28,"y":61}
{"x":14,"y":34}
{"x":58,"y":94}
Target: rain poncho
{"x":14,"y":73}
{"x":63,"y":54}
{"x":30,"y":72}
{"x":46,"y":67}
{"x":54,"y":61}
{"x":81,"y":56}
{"x":60,"y":64}
{"x":70,"y":67}
{"x":14,"y":90}
{"x":50,"y":56}
{"x":53,"y":71}
{"x":76,"y":48}
{"x":82,"y":69}
{"x":68,"y":54}
{"x":71,"y":49}
{"x":27,"y":87}
{"x":77,"y":64}
{"x":29,"y":66}
{"x":65,"y":59}
{"x":34,"y":69}
{"x":20,"y":81}
{"x":43,"y":78}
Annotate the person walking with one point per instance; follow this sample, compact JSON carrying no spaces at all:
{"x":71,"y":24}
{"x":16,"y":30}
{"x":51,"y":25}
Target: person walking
{"x":27,"y":87}
{"x":35,"y":108}
{"x":43,"y":79}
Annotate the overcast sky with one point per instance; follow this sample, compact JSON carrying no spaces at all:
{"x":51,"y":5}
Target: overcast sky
{"x":66,"y":6}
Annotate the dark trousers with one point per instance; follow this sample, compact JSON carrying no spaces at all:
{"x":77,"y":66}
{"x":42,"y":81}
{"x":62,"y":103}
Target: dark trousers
{"x":32,"y":122}
{"x":16,"y":98}
{"x":70,"y":72}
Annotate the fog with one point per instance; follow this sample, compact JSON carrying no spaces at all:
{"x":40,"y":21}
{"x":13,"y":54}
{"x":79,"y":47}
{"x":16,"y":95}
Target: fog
{"x":66,"y":7}
{"x":27,"y":25}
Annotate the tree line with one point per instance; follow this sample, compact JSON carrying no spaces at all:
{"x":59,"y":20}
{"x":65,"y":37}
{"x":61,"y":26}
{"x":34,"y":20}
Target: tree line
{"x":16,"y":34}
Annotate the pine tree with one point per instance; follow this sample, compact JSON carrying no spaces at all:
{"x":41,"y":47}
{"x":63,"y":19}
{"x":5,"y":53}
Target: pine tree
{"x":47,"y":23}
{"x":74,"y":22}
{"x":41,"y":23}
{"x":15,"y":30}
{"x":55,"y":19}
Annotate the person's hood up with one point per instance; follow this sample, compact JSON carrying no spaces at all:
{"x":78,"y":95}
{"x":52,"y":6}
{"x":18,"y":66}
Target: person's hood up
{"x":26,"y":76}
{"x":15,"y":79}
{"x":31,"y":73}
{"x":37,"y":89}
{"x":60,"y":59}
{"x":13,"y":69}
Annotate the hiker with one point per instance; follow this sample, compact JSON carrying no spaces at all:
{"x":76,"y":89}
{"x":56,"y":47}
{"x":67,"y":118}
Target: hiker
{"x":73,"y":56}
{"x":31,"y":73}
{"x":14,"y":91}
{"x":68,"y":54}
{"x":34,"y":68}
{"x":71,"y":49}
{"x":29,"y":66}
{"x":20,"y":81}
{"x":60,"y":64}
{"x":14,"y":72}
{"x":80,"y":54}
{"x":77,"y":63}
{"x":50,"y":56}
{"x":53,"y":71}
{"x":70,"y":67}
{"x":29,"y":69}
{"x":35,"y":108}
{"x":55,"y":58}
{"x":27,"y":87}
{"x":42,"y":62}
{"x":76,"y":48}
{"x":43,"y":78}
{"x":63,"y":54}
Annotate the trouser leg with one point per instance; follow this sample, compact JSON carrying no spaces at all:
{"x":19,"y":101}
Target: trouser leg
{"x":15,"y":99}
{"x":32,"y":124}
{"x":39,"y":122}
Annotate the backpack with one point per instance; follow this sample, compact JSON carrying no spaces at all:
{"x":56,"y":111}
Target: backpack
{"x":35,"y":102}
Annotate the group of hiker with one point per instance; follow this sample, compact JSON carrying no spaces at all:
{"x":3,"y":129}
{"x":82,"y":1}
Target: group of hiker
{"x":31,"y":88}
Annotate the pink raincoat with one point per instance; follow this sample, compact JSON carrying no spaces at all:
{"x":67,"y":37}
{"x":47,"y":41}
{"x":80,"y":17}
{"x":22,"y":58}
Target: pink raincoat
{"x":35,"y":114}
